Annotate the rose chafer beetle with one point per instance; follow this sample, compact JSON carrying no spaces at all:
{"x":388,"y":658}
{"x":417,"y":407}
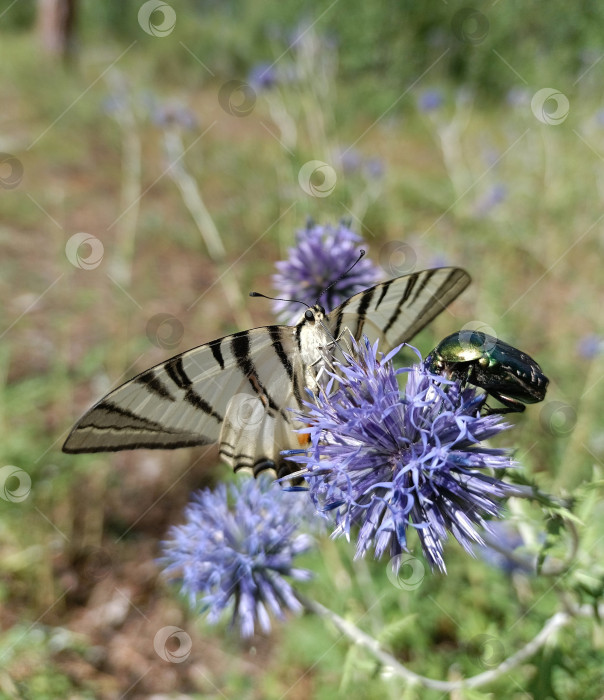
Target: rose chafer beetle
{"x":506,"y":373}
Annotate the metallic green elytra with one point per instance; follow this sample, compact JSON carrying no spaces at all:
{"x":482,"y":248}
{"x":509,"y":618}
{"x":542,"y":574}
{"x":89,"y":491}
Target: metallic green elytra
{"x":506,"y":373}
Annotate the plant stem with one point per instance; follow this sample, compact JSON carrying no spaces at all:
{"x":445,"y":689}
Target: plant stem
{"x":559,"y":620}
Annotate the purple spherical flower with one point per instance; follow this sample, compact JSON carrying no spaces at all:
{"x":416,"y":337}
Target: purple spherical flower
{"x":320,"y":256}
{"x":390,"y":462}
{"x":240,"y":553}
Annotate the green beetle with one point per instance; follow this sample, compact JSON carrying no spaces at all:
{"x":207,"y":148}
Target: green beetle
{"x":509,"y":375}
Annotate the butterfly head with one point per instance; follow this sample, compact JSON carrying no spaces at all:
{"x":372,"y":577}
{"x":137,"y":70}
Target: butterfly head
{"x":314,"y":314}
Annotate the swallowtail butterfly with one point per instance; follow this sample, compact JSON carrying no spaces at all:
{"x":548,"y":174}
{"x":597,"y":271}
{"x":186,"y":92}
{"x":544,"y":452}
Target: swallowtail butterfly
{"x":238,"y":390}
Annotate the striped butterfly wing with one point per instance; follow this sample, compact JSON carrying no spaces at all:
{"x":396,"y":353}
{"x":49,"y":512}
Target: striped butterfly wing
{"x":235,"y":391}
{"x":396,"y":310}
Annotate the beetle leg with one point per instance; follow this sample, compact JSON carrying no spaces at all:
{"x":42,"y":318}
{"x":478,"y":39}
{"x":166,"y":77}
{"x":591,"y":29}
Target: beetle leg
{"x":511,"y":405}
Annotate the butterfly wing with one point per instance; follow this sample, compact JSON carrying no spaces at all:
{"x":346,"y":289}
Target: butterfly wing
{"x":396,"y":310}
{"x":235,"y":390}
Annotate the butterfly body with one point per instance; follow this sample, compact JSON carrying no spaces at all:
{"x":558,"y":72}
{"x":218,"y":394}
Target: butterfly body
{"x":238,"y":391}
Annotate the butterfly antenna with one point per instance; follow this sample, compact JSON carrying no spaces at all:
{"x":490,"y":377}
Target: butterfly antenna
{"x":295,"y":301}
{"x":341,"y":277}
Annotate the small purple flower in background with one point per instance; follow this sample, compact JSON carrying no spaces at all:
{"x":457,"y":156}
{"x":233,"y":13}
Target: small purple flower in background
{"x":389,"y":462}
{"x":374,"y":168}
{"x":263,"y":76}
{"x":171,"y":114}
{"x":430,"y":100}
{"x":350,"y":160}
{"x":494,"y":196}
{"x":600,"y":117}
{"x":590,"y":346}
{"x":518,"y":97}
{"x":239,"y":554}
{"x":320,"y":256}
{"x":504,"y":556}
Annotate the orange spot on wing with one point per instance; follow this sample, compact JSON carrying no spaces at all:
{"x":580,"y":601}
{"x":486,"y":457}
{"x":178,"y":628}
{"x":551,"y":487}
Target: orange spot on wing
{"x":303,"y":439}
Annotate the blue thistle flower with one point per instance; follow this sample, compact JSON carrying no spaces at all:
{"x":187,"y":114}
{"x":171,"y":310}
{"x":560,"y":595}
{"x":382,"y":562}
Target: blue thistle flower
{"x":390,"y":463}
{"x":241,"y":554}
{"x":320,"y":256}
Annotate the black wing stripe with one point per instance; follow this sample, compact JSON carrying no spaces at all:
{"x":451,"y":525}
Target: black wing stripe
{"x":108,"y":410}
{"x":362,"y":311}
{"x":176,"y":371}
{"x":263,"y":464}
{"x":275,"y":333}
{"x":427,"y":276}
{"x":399,"y":307}
{"x":456,"y":281}
{"x":216,"y":351}
{"x":341,"y":308}
{"x":154,"y":384}
{"x":240,"y":344}
{"x":141,"y":443}
{"x":197,"y":401}
{"x":385,"y":288}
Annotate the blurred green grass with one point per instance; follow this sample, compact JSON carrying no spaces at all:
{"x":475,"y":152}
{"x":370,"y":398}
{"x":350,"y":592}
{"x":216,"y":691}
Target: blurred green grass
{"x":535,"y":258}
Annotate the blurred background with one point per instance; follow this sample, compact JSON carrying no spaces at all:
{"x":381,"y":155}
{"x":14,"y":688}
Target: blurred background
{"x":156,"y":160}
